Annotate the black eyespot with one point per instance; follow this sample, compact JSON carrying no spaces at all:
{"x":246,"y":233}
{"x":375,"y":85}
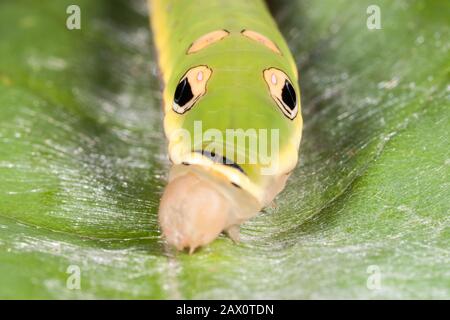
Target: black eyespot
{"x":288,"y":95}
{"x":183,"y":93}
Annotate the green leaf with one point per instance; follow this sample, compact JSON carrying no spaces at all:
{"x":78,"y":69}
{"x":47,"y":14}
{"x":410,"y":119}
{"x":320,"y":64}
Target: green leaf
{"x":83,"y":160}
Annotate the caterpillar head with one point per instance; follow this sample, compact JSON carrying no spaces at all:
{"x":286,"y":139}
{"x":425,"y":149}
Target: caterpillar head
{"x":192,"y":212}
{"x":198,"y":205}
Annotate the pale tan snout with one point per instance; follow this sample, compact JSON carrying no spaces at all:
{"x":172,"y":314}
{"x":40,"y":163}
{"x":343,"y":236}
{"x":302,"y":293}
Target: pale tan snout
{"x":192,"y":212}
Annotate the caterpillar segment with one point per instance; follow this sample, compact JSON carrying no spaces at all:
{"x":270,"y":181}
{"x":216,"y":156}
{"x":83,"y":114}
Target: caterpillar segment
{"x":231,"y":115}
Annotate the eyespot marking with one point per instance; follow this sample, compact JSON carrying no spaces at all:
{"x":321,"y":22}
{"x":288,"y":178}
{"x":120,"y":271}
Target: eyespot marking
{"x":206,"y":40}
{"x":273,"y":79}
{"x":288,"y":95}
{"x":258,"y":37}
{"x":183,"y":93}
{"x":190,"y":88}
{"x":282,"y":91}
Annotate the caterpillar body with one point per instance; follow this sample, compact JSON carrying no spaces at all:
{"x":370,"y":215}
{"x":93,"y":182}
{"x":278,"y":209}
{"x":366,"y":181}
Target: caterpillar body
{"x":231,"y":114}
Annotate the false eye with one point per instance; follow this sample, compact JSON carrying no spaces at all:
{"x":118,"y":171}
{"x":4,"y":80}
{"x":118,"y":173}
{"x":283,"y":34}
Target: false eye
{"x":190,"y":88}
{"x":282,"y":91}
{"x":183,"y":93}
{"x":288,"y":95}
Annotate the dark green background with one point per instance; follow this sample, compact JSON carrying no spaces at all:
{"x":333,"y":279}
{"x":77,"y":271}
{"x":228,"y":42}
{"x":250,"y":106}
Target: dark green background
{"x":83,"y":160}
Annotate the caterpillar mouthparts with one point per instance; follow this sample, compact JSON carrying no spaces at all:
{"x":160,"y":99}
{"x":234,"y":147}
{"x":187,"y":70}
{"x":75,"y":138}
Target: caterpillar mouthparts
{"x":193,"y":212}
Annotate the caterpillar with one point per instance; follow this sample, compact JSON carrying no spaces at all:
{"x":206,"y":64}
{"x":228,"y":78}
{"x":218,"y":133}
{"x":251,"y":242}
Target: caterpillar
{"x":232,"y":115}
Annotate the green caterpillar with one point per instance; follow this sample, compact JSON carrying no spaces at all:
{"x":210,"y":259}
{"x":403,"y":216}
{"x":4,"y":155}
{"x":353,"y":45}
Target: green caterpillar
{"x":231,"y":114}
